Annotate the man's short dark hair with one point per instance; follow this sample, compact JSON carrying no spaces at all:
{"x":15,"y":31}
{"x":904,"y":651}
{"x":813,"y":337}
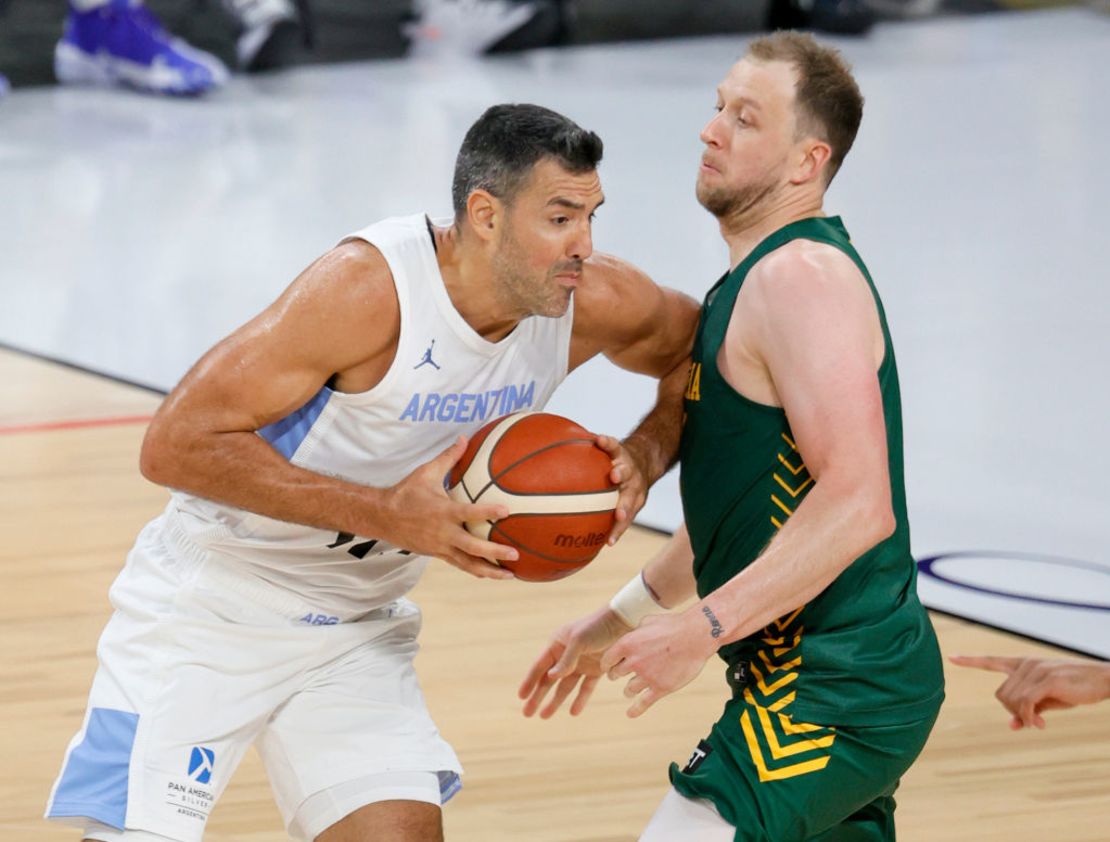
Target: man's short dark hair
{"x":504,"y":144}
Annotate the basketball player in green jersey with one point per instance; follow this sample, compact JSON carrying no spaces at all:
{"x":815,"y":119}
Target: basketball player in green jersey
{"x":796,"y":542}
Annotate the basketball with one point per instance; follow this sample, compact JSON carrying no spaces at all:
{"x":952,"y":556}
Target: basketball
{"x":555,"y":482}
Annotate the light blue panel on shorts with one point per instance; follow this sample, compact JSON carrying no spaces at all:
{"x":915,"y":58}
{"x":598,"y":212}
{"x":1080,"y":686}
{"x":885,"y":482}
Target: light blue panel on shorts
{"x":287,"y":434}
{"x":449,"y":784}
{"x":94,"y":781}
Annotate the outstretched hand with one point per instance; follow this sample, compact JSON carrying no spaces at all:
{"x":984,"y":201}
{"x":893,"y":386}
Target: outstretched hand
{"x":629,"y":473}
{"x":1034,"y":685}
{"x":572,"y":659}
{"x":664,"y":654}
{"x":424,"y":520}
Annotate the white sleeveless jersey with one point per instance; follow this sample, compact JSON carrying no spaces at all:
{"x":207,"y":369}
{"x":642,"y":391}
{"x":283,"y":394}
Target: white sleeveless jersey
{"x":445,"y":380}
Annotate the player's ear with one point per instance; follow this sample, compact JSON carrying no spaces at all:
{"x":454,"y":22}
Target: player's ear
{"x":813,"y":158}
{"x":483,"y":210}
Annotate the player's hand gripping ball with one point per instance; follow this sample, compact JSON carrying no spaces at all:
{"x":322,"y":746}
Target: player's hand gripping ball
{"x":555,"y":482}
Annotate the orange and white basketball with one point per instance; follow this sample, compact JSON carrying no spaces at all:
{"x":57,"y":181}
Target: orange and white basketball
{"x":553,"y":478}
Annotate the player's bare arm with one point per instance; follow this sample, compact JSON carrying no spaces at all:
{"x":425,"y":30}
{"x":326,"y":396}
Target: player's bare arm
{"x":669,"y":575}
{"x":203,"y":438}
{"x":621,"y":313}
{"x":812,"y":338}
{"x":642,"y":327}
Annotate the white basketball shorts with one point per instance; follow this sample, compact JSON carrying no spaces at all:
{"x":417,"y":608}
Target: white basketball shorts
{"x":679,"y":817}
{"x":191,"y":674}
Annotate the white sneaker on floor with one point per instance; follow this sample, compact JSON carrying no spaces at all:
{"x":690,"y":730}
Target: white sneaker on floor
{"x":464,"y":27}
{"x":270,"y":32}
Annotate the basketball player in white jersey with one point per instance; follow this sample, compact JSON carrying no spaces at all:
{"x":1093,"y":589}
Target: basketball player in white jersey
{"x":307,"y":452}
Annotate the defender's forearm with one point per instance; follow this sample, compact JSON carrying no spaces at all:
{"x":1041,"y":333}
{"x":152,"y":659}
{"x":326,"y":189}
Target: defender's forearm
{"x":830,"y":529}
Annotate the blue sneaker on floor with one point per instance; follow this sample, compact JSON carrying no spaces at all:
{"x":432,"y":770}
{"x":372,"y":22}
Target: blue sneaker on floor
{"x":122,"y":43}
{"x":5,"y":86}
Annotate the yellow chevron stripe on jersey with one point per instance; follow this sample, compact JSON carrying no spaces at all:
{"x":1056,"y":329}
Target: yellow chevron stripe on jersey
{"x":793,"y":492}
{"x":774,"y":686}
{"x":785,"y":701}
{"x":789,"y":511}
{"x":783,"y":637}
{"x":789,"y":646}
{"x":815,"y":740}
{"x":780,"y":750}
{"x":791,"y":727}
{"x":764,"y":771}
{"x":795,"y":471}
{"x":772,"y":735}
{"x":783,"y":622}
{"x":772,"y":668}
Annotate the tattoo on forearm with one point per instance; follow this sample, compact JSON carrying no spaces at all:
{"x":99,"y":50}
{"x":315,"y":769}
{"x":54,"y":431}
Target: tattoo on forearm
{"x":714,"y":624}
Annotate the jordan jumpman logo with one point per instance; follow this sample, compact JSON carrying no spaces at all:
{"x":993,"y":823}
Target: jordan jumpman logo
{"x":427,"y":360}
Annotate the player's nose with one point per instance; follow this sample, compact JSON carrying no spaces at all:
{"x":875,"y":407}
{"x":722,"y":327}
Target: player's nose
{"x":582,"y":246}
{"x":710,"y":132}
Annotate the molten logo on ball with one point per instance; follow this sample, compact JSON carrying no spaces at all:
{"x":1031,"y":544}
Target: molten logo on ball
{"x":592,"y":539}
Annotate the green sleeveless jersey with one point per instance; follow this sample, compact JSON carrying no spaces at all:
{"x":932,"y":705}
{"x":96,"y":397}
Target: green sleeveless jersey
{"x":863,"y":652}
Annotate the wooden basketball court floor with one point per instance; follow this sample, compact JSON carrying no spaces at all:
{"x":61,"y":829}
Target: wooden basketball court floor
{"x":72,"y":501}
{"x":134,"y":232}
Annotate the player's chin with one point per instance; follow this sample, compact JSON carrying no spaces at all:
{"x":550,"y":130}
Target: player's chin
{"x":557,"y":306}
{"x":704,"y":194}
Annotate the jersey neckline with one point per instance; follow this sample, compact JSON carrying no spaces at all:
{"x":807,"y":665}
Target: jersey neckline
{"x":460,"y":326}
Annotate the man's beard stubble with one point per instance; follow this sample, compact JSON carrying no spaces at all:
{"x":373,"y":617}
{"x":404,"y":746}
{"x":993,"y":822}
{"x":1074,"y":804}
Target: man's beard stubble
{"x":523,"y":291}
{"x":731,"y":204}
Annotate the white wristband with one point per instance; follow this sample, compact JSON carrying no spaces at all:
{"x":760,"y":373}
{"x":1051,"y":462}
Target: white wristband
{"x":634,"y":601}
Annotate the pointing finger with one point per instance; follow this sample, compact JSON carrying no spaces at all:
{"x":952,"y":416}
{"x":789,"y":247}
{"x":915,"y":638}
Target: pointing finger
{"x":994,"y":663}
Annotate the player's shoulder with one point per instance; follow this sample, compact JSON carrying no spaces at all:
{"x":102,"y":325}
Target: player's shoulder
{"x":355,"y":260}
{"x":612,"y":270}
{"x":607,"y":280}
{"x":807,"y":269}
{"x":335,"y":299}
{"x":353,"y":273}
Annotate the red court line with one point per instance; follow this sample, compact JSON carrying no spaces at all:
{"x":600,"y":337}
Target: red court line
{"x":75,"y":424}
